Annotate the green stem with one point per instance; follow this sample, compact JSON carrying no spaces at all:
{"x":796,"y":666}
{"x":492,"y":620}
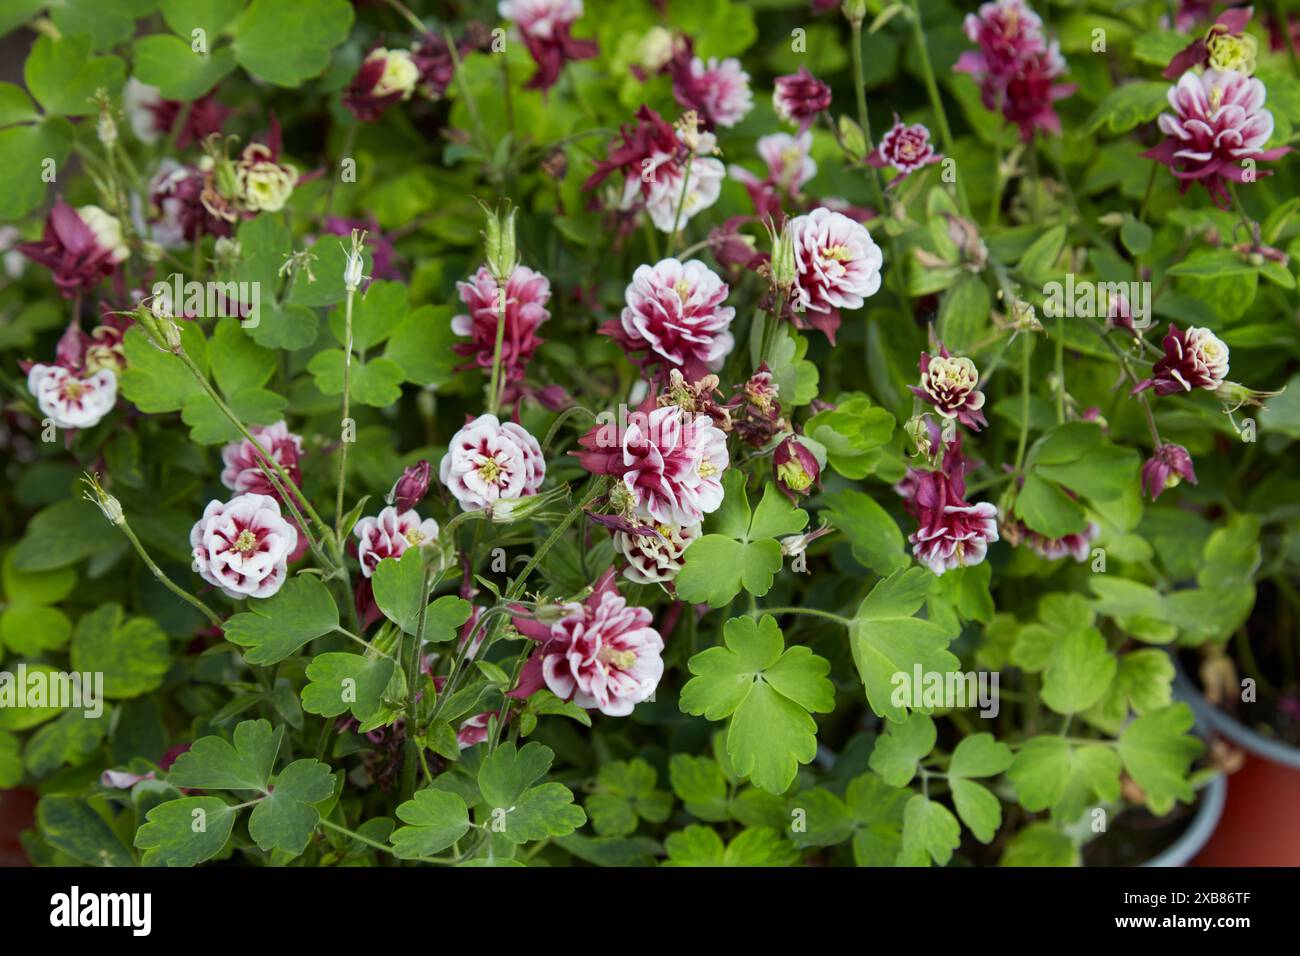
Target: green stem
{"x":808,"y":611}
{"x":494,"y":386}
{"x":1026,"y":349}
{"x":347,"y":407}
{"x":412,"y":668}
{"x":167,"y":582}
{"x":681,"y":200}
{"x":936,"y":101}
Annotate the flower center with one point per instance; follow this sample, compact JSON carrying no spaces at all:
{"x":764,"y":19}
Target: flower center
{"x":246,"y":542}
{"x":794,"y":475}
{"x":683,"y":289}
{"x":1216,"y":97}
{"x":415,"y":536}
{"x":707,"y":469}
{"x":838,"y":253}
{"x":489,"y":471}
{"x":73,"y":391}
{"x":620,"y":659}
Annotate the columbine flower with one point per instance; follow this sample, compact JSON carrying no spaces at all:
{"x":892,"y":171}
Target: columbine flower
{"x":950,"y":532}
{"x":384,"y":78}
{"x":527,"y":293}
{"x":177,"y":213}
{"x":906,"y":148}
{"x":1225,"y":46}
{"x":799,"y":97}
{"x":79,"y":247}
{"x":951,"y":385}
{"x":152,"y":117}
{"x":389,"y":535}
{"x":1218,"y":122}
{"x":1077,"y":546}
{"x":242,"y":473}
{"x":487,"y":460}
{"x":1195,"y":358}
{"x":652,"y":160}
{"x":838,"y":267}
{"x":72,"y":400}
{"x":263,"y":183}
{"x":789,"y":166}
{"x":655,"y":558}
{"x":602,"y":654}
{"x":1015,"y":66}
{"x":717,"y":90}
{"x":411,"y":488}
{"x":1165,"y":469}
{"x":671,"y":464}
{"x":242,"y":546}
{"x":795,"y":468}
{"x":545,"y":26}
{"x":675,"y":312}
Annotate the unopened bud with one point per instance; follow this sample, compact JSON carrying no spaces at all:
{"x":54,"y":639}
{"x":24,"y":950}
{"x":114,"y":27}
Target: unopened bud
{"x":354,"y":266}
{"x":854,"y":140}
{"x":499,"y":243}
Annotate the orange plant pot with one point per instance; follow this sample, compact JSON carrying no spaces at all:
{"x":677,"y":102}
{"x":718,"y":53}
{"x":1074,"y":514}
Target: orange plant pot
{"x":1260,"y":825}
{"x":17,"y":813}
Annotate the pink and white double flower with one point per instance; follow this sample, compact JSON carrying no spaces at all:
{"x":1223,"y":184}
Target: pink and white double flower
{"x":243,"y":545}
{"x":489,"y":460}
{"x":389,"y":535}
{"x":675,"y":312}
{"x":70,"y":399}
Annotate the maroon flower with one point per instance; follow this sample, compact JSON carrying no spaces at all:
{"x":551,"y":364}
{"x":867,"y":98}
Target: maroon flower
{"x":795,"y":468}
{"x":152,"y":117}
{"x":951,"y":385}
{"x":177,"y":214}
{"x":1167,"y":467}
{"x":79,"y":247}
{"x":526,"y":295}
{"x":545,"y":26}
{"x":906,"y":148}
{"x":1227,"y":33}
{"x":411,"y":488}
{"x":950,"y":532}
{"x":1077,"y":546}
{"x":1194,"y":358}
{"x":799,"y":97}
{"x":385,"y":77}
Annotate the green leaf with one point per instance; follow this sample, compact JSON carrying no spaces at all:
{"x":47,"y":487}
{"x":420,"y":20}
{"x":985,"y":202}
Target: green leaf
{"x":134,"y":656}
{"x":1045,"y":508}
{"x":376,"y":382}
{"x":341,"y":682}
{"x":1128,"y":105}
{"x":1143,"y":681}
{"x":1039,"y":261}
{"x":930,"y":832}
{"x":875,"y":536}
{"x":400,"y":589}
{"x":374,"y":316}
{"x":901,"y":748}
{"x":626,"y":792}
{"x":157,"y":381}
{"x":57,"y":536}
{"x":68,"y":740}
{"x":213,"y":763}
{"x":978,"y":808}
{"x":767,"y":693}
{"x":185,"y":832}
{"x":964,"y":314}
{"x":212,"y":16}
{"x":700,"y":785}
{"x":507,"y":772}
{"x":877,"y":810}
{"x":979,"y":755}
{"x":1040,"y":844}
{"x":887,"y":640}
{"x":279,"y":626}
{"x":1158,"y":755}
{"x":63,"y":75}
{"x":1080,"y":671}
{"x":421,"y":346}
{"x":852,"y":434}
{"x":68,"y":824}
{"x":540,"y":812}
{"x":435,"y":820}
{"x":701,"y":846}
{"x":316,"y":28}
{"x":26,"y":149}
{"x":11,"y":764}
{"x":1050,"y":773}
{"x":745,"y":553}
{"x":285,"y":818}
{"x":168,"y":63}
{"x":239,"y":363}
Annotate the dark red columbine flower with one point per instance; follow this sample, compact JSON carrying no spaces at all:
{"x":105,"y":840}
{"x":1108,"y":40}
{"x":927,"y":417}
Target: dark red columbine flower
{"x":905,"y":148}
{"x":1194,"y":358}
{"x":411,"y":488}
{"x":795,"y":468}
{"x":79,"y":247}
{"x":799,"y":97}
{"x":642,"y":149}
{"x":1167,"y":467}
{"x":385,"y":77}
{"x":545,"y":26}
{"x":1226,"y":36}
{"x":152,"y":117}
{"x":951,"y":385}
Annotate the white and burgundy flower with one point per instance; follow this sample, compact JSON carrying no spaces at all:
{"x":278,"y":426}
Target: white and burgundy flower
{"x":1195,"y":358}
{"x":905,"y":148}
{"x":670,"y":463}
{"x":718,"y":90}
{"x":1077,"y":546}
{"x":1015,"y":66}
{"x":71,"y":399}
{"x":951,"y":385}
{"x":389,"y":534}
{"x":789,"y":167}
{"x":1218,"y":122}
{"x":1225,"y":46}
{"x":79,"y":247}
{"x":675,"y":312}
{"x":799,"y":97}
{"x":1167,"y":467}
{"x":242,"y":473}
{"x":838,"y":267}
{"x":488,"y":460}
{"x":409,"y":490}
{"x":545,"y":26}
{"x":795,"y":468}
{"x":655,"y":558}
{"x":652,"y":160}
{"x":242,"y":546}
{"x":951,"y":533}
{"x":152,"y":117}
{"x":602,"y":655}
{"x":527,"y":293}
{"x":384,"y":78}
